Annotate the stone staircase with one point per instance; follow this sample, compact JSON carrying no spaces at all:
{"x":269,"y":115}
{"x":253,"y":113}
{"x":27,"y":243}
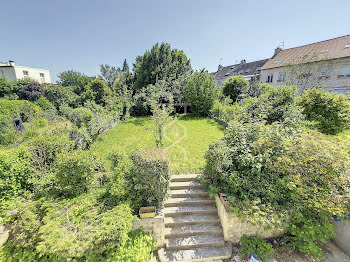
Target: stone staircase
{"x":193,"y":228}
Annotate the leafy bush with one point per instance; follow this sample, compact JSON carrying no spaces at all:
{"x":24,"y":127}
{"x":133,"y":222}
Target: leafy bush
{"x":15,"y":173}
{"x":82,"y":117}
{"x":59,"y":95}
{"x":225,"y":111}
{"x":330,"y":111}
{"x":200,"y":91}
{"x":97,"y":91}
{"x":272,"y":173}
{"x":22,"y":109}
{"x":149,"y":176}
{"x":235,"y":86}
{"x":48,"y":108}
{"x":306,"y":231}
{"x":75,"y":172}
{"x":7,"y":89}
{"x":31,"y":91}
{"x":255,"y":245}
{"x":138,"y":248}
{"x":83,"y":228}
{"x":7,"y":132}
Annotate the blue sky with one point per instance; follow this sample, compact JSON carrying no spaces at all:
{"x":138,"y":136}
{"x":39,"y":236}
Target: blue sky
{"x":82,"y":34}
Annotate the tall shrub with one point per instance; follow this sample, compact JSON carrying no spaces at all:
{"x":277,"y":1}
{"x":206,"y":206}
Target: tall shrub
{"x":149,"y":176}
{"x":330,"y":111}
{"x":235,"y":86}
{"x":200,"y":91}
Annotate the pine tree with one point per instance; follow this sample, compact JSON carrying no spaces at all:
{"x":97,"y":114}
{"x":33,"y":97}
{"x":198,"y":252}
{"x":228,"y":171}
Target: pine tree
{"x":125,"y":66}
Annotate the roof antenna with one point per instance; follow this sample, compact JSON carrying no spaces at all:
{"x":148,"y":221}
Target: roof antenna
{"x":220,"y":61}
{"x":281,"y":45}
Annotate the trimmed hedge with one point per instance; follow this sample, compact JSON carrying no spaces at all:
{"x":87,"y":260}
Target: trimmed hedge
{"x":22,"y":109}
{"x":150,"y":176}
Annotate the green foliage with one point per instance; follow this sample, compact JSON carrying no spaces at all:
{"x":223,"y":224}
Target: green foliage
{"x":97,"y":91}
{"x":31,"y":92}
{"x":330,"y":111}
{"x":255,"y":245}
{"x":75,"y":172}
{"x":22,"y":109}
{"x":7,"y":132}
{"x":160,"y":63}
{"x":75,"y":79}
{"x":200,"y":91}
{"x":83,"y":227}
{"x":149,"y":177}
{"x":125,"y":68}
{"x":235,"y":86}
{"x":109,"y":74}
{"x":15,"y":172}
{"x":7,"y":89}
{"x":271,"y":171}
{"x":48,"y":108}
{"x":306,"y":231}
{"x":61,"y":95}
{"x":138,"y":248}
{"x":225,"y":111}
{"x":82,"y":117}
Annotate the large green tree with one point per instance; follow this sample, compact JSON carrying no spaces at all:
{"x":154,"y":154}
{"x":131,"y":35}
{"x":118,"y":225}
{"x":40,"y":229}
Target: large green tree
{"x":109,"y":74}
{"x":160,"y":63}
{"x":200,"y":91}
{"x":74,"y":78}
{"x":235,"y":86}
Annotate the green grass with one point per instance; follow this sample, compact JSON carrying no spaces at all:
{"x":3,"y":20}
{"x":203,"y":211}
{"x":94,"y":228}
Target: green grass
{"x":187,"y":140}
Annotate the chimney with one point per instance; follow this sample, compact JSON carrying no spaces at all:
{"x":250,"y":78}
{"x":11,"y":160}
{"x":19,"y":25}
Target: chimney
{"x":243,"y":62}
{"x":277,"y":50}
{"x":220,"y":67}
{"x":11,"y":63}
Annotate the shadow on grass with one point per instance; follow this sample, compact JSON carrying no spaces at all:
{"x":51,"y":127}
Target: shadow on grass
{"x":138,"y":121}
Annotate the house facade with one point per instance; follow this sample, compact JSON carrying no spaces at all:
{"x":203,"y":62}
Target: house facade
{"x":249,"y":71}
{"x":14,"y":72}
{"x":325,"y":63}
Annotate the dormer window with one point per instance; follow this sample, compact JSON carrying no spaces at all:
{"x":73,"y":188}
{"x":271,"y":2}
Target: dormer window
{"x":227,"y":74}
{"x":240,"y":72}
{"x":324,"y":51}
{"x":347,"y":46}
{"x":277,"y":62}
{"x":258,"y":69}
{"x":247,"y":71}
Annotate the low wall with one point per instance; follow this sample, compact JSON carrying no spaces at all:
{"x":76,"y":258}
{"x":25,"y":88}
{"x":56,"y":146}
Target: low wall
{"x":342,"y":239}
{"x":234,"y":228}
{"x":154,"y":225}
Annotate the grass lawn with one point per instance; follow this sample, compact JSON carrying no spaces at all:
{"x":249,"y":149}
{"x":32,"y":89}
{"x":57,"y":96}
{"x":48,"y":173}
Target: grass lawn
{"x":186,"y":138}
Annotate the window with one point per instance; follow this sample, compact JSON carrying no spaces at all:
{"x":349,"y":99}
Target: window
{"x":227,"y":74}
{"x":240,"y":72}
{"x":42,"y":75}
{"x":347,"y":46}
{"x":324,"y":51}
{"x":270,"y":78}
{"x":281,"y":77}
{"x":344,"y":72}
{"x":247,"y":71}
{"x":25,"y":73}
{"x":277,"y":62}
{"x":294,"y":58}
{"x":258,"y":69}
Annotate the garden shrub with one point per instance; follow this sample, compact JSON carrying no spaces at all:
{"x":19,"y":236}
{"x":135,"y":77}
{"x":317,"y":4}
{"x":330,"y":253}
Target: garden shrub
{"x":255,"y":245}
{"x":97,"y":91}
{"x":272,"y":173}
{"x":225,"y":111}
{"x":7,"y":132}
{"x":82,"y":117}
{"x":22,"y":109}
{"x":330,"y":111}
{"x":200,"y":91}
{"x":65,"y":110}
{"x":235,"y":86}
{"x":7,"y":89}
{"x":75,"y":172}
{"x":15,"y":173}
{"x":59,"y":95}
{"x":83,"y":228}
{"x":32,"y":91}
{"x":48,"y":108}
{"x":138,"y":248}
{"x":149,"y":177}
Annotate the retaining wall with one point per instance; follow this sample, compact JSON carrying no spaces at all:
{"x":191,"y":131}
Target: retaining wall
{"x":154,"y":225}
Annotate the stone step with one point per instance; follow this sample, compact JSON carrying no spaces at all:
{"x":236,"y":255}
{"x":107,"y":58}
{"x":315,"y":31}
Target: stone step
{"x":191,"y":242}
{"x":182,"y":193}
{"x":189,"y":210}
{"x":184,"y":178}
{"x":185,"y":185}
{"x":196,"y":255}
{"x":188,"y":201}
{"x":191,"y":230}
{"x":185,"y":220}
